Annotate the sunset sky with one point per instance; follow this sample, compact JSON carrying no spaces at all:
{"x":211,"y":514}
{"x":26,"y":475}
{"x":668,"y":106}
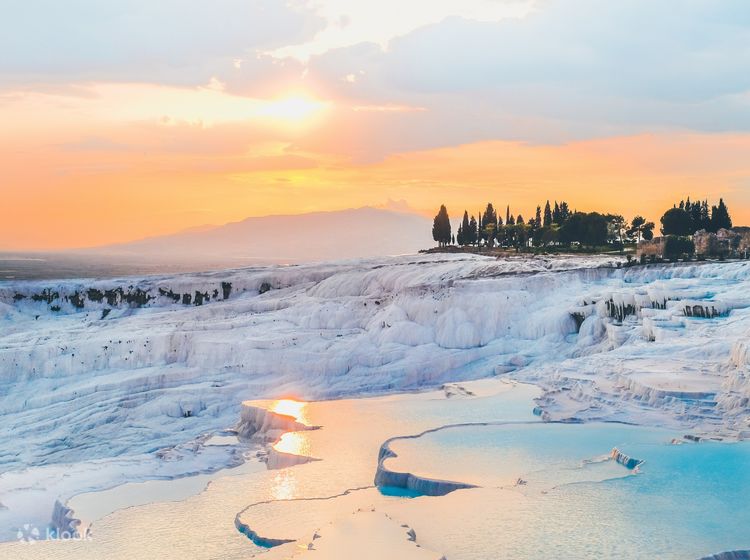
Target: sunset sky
{"x":122,"y":120}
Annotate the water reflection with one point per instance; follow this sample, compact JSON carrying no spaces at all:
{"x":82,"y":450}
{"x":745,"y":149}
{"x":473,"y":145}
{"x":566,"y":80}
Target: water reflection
{"x":290,"y":407}
{"x":284,"y":485}
{"x":296,"y":443}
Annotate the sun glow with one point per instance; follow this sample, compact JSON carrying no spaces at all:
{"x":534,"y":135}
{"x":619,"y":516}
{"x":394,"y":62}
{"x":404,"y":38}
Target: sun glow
{"x":292,"y":108}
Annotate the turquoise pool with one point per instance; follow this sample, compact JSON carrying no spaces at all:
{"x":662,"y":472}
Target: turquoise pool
{"x":685,"y":501}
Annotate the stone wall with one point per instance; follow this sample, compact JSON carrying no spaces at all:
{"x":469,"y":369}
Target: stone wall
{"x":654,"y":247}
{"x":723,"y":243}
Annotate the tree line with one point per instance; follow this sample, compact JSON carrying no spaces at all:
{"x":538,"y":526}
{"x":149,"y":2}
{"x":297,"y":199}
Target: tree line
{"x":557,"y":224}
{"x":688,"y":217}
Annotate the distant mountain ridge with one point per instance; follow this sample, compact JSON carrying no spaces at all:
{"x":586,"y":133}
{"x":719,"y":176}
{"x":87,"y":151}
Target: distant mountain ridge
{"x":315,"y":236}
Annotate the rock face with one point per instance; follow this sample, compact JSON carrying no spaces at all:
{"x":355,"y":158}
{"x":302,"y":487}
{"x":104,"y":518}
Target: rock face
{"x":384,"y":477}
{"x":63,"y":524}
{"x":625,"y":460}
{"x":262,"y":425}
{"x":729,"y":555}
{"x":705,"y":309}
{"x":257,"y":539}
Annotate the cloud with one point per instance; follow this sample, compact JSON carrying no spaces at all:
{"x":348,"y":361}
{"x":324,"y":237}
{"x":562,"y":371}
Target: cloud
{"x":673,"y":49}
{"x":571,"y":69}
{"x":169,"y":41}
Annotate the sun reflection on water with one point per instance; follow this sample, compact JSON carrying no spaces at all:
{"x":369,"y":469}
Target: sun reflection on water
{"x":284,"y":485}
{"x":290,"y":407}
{"x":296,"y":443}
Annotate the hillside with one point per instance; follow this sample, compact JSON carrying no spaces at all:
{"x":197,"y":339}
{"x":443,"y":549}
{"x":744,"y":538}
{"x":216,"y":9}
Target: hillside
{"x":344,"y":234}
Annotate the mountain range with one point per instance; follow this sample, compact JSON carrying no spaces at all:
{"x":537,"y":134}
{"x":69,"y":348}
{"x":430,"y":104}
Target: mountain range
{"x":315,"y":236}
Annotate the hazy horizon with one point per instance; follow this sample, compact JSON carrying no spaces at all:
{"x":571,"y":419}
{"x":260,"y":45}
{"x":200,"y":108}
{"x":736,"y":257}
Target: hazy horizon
{"x":254,"y":241}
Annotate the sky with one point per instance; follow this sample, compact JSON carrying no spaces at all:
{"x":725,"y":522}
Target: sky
{"x":122,"y":120}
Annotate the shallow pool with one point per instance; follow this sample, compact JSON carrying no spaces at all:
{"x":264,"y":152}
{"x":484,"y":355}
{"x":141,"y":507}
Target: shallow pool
{"x":549,"y":489}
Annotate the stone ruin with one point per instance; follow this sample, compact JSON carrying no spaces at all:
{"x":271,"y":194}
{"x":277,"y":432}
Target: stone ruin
{"x":723,"y":243}
{"x":733,"y":242}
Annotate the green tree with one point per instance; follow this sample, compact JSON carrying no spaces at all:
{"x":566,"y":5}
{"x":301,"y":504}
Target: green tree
{"x":550,"y":235}
{"x":489,"y":233}
{"x":705,"y":217}
{"x":641,"y":229}
{"x":519,"y":235}
{"x":547,"y":216}
{"x":676,"y":247}
{"x":472,"y":236}
{"x":635,"y":227}
{"x":489,"y":218}
{"x":720,"y":217}
{"x":676,"y":221}
{"x":441,"y":227}
{"x":695,"y":214}
{"x":647,"y":231}
{"x":616,"y":227}
{"x":586,"y":228}
{"x":464,"y":230}
{"x":564,"y":212}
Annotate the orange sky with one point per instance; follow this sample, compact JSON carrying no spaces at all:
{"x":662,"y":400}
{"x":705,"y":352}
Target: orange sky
{"x":330,"y":105}
{"x":79,"y":173}
{"x":81,"y":198}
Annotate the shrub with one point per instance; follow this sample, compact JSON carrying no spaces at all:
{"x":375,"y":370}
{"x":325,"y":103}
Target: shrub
{"x":675,"y":247}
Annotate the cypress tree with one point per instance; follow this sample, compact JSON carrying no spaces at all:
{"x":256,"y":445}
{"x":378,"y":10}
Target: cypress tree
{"x":720,"y":217}
{"x":441,"y":227}
{"x":491,"y":215}
{"x":547,"y":215}
{"x":464,"y":230}
{"x":489,"y":218}
{"x":705,"y":220}
{"x":473,"y":234}
{"x":490,"y":224}
{"x":564,"y":212}
{"x":695,"y":214}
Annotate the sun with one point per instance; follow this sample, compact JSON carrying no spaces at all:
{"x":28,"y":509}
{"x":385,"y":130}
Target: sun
{"x":292,"y":108}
